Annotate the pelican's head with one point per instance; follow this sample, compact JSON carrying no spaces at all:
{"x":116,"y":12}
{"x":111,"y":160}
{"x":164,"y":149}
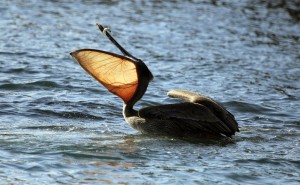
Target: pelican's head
{"x":123,"y":76}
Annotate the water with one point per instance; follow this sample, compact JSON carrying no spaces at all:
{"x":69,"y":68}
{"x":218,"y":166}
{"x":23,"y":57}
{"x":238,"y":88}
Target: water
{"x":59,"y":126}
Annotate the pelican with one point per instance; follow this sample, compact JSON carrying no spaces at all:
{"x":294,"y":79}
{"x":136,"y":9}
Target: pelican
{"x":128,"y":77}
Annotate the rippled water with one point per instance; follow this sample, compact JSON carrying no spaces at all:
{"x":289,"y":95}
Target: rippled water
{"x":59,"y":126}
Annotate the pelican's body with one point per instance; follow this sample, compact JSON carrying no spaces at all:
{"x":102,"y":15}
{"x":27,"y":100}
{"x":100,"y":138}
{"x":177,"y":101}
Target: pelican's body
{"x":128,"y":78}
{"x":198,"y":116}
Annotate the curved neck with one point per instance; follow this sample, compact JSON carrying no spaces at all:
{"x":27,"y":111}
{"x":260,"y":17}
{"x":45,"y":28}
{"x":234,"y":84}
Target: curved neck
{"x":128,"y":111}
{"x":184,"y":95}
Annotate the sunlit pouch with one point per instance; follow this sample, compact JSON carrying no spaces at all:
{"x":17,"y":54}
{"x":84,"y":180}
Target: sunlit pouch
{"x":115,"y":72}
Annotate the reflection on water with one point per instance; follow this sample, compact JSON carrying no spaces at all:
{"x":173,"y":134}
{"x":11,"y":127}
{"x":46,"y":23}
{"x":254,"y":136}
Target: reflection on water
{"x":59,"y":126}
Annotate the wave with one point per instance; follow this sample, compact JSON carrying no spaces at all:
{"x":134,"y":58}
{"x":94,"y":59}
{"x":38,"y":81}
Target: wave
{"x":66,"y":114}
{"x":30,"y":86}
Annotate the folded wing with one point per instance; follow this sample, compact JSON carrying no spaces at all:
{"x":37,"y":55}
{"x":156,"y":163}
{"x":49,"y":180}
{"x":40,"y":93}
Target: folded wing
{"x":216,"y":108}
{"x":189,"y":117}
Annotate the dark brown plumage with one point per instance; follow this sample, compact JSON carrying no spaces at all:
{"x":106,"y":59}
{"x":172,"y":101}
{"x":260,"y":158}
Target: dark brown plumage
{"x":197,"y":117}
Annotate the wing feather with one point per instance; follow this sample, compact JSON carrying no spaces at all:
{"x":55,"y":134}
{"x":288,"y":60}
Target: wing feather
{"x":216,"y":108}
{"x":188,"y":116}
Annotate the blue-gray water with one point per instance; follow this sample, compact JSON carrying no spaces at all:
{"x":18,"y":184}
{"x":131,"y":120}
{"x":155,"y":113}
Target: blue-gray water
{"x":59,"y":126}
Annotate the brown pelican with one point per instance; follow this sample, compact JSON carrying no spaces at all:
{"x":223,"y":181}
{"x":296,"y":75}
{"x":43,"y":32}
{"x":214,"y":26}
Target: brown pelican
{"x":128,"y":77}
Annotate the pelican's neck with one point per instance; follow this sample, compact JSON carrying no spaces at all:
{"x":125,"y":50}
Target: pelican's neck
{"x":128,"y":111}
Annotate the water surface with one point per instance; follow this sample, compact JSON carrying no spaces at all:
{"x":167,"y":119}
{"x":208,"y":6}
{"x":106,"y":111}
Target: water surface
{"x":60,"y":126}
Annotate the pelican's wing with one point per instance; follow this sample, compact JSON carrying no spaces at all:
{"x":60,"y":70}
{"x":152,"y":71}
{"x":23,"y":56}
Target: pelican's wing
{"x":215,"y":107}
{"x":117,"y":73}
{"x":190,"y":117}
